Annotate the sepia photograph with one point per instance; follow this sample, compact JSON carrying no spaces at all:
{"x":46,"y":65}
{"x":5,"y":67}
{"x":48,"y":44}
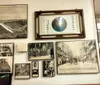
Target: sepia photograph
{"x":13,"y":21}
{"x":6,"y":57}
{"x":98,"y":34}
{"x":76,"y":57}
{"x":48,"y":68}
{"x":6,"y":49}
{"x":40,"y":51}
{"x":35,"y":69}
{"x":59,"y":24}
{"x":22,"y":71}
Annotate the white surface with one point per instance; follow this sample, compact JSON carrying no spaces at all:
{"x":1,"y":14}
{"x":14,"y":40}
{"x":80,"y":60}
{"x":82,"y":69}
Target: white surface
{"x":36,"y":5}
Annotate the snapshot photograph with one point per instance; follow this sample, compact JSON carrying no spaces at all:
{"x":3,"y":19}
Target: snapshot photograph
{"x":6,"y":49}
{"x":48,"y":68}
{"x":35,"y":69}
{"x":22,"y":71}
{"x":13,"y":21}
{"x":40,"y":51}
{"x":76,"y":57}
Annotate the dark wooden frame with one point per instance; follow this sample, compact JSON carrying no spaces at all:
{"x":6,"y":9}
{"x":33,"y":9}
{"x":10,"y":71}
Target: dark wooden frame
{"x":22,"y":78}
{"x":59,"y":36}
{"x":43,"y":68}
{"x":32,"y":69}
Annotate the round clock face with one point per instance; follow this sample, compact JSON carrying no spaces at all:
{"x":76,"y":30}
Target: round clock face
{"x":59,"y":24}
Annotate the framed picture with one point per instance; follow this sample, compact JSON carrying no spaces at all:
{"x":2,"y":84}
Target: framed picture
{"x":59,"y":24}
{"x":22,"y":71}
{"x":35,"y":69}
{"x":13,"y":21}
{"x":6,"y":57}
{"x":76,"y":57}
{"x":48,"y":68}
{"x":5,"y":79}
{"x":40,"y":51}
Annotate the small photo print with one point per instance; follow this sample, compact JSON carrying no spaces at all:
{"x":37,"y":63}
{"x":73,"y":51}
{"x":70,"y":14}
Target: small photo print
{"x":6,"y":49}
{"x":6,"y":65}
{"x":40,"y":51}
{"x":48,"y":68}
{"x":35,"y":69}
{"x":76,"y":57}
{"x":22,"y":71}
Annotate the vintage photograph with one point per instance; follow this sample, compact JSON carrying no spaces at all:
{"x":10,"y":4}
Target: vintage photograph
{"x":48,"y":68}
{"x":76,"y":57}
{"x":13,"y":21}
{"x":35,"y":69}
{"x":6,"y":57}
{"x":59,"y":24}
{"x":40,"y":51}
{"x":22,"y":71}
{"x":6,"y":49}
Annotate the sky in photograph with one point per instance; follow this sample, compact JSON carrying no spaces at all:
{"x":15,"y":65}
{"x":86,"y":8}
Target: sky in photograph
{"x":9,"y":12}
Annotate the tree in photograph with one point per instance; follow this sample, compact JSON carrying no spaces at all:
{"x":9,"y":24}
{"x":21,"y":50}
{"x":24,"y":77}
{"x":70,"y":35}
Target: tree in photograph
{"x":88,"y":51}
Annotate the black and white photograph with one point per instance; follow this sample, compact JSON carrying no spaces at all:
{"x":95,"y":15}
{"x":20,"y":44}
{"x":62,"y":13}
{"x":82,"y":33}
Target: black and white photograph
{"x":5,"y":79}
{"x":35,"y":69}
{"x":98,"y":35}
{"x":22,"y":71}
{"x":40,"y":51}
{"x":48,"y":68}
{"x":6,"y":57}
{"x":6,"y":50}
{"x":59,"y":24}
{"x":13,"y":21}
{"x":5,"y":65}
{"x":76,"y":57}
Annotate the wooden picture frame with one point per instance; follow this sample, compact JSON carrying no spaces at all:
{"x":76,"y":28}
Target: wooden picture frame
{"x":22,"y":71}
{"x":48,"y":68}
{"x":59,"y":24}
{"x":76,"y":57}
{"x":40,"y":51}
{"x":35,"y":69}
{"x":13,"y":21}
{"x":6,"y":57}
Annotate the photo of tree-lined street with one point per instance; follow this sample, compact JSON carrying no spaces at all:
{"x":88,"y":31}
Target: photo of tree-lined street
{"x":76,"y":57}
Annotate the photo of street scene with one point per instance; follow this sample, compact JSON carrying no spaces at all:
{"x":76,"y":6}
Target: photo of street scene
{"x":76,"y":57}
